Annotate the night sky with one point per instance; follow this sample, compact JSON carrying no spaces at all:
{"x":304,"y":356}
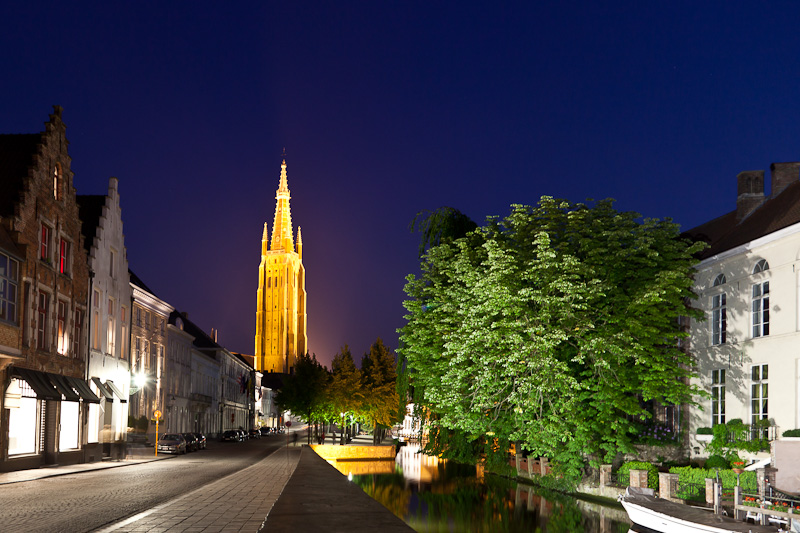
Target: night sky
{"x":386,"y":109}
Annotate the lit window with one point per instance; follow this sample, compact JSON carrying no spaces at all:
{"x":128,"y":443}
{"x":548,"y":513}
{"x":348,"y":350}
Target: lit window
{"x":9,"y":271}
{"x":717,"y":397}
{"x":63,"y":257}
{"x":58,"y":182}
{"x":123,"y":319}
{"x":111,"y":330}
{"x":22,"y":427}
{"x":719,"y":319}
{"x":68,"y":428}
{"x":62,"y":338}
{"x":761,"y":309}
{"x":41,"y":323}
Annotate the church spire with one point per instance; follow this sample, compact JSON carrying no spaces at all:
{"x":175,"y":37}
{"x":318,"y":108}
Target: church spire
{"x":265,"y":240}
{"x":282,"y":225}
{"x":299,"y":243}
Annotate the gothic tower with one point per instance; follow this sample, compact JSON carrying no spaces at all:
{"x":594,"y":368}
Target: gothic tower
{"x":281,"y":311}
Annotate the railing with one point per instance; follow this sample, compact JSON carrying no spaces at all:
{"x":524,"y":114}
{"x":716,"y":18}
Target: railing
{"x":691,"y":491}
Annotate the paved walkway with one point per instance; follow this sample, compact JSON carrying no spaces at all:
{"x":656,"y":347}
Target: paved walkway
{"x":65,"y":470}
{"x":238,"y":502}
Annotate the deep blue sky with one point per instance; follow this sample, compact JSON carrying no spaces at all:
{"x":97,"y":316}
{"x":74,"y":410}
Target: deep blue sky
{"x":386,"y":109}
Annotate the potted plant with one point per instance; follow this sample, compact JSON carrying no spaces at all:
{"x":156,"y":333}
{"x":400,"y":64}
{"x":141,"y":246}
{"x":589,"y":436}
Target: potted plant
{"x":737,"y":467}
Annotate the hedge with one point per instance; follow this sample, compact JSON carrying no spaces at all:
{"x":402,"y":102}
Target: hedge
{"x":687,"y":474}
{"x":624,"y":473}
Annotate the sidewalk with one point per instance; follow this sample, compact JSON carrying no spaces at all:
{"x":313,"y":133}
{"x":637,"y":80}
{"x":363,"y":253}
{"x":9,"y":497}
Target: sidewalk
{"x":238,"y":502}
{"x":64,"y":470}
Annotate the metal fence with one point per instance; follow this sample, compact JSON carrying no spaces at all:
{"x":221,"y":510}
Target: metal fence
{"x":691,"y":491}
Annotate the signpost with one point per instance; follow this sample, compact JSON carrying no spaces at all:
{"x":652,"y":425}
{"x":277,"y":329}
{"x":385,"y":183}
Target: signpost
{"x":157,"y":416}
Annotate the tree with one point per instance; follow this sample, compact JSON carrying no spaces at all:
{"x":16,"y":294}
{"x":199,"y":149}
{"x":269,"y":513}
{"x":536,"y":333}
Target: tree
{"x":549,"y":326}
{"x":304,"y":392}
{"x":441,"y":226}
{"x":346,"y":393}
{"x":378,"y":369}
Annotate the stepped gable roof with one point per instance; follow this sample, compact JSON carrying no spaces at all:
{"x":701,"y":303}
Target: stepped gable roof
{"x":90,"y":209}
{"x":17,"y":153}
{"x":724,"y":233}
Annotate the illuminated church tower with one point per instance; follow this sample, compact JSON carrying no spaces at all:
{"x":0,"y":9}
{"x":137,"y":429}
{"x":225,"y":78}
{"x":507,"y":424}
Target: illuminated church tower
{"x":281,"y":311}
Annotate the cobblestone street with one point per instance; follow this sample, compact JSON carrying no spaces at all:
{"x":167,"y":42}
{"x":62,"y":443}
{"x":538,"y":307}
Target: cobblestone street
{"x":98,"y":499}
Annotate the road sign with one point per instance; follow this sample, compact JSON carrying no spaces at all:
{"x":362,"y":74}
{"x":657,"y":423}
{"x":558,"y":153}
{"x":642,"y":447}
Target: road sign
{"x":288,"y":423}
{"x":156,"y":414}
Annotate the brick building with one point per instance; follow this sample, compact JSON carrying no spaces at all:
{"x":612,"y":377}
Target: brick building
{"x":44,"y":282}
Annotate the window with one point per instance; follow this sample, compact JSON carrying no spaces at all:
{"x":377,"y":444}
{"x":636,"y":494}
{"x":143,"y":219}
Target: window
{"x":719,"y":319}
{"x":111,"y":328}
{"x":58,"y":182}
{"x":22,"y":421}
{"x":63,"y":257}
{"x":9,"y":271}
{"x":139,"y":316}
{"x":68,"y":429}
{"x":145,"y":350}
{"x":147,"y":320}
{"x":96,"y":320}
{"x":761,"y":309}
{"x":44,"y":244}
{"x":123,"y":319}
{"x":759,"y":394}
{"x":719,"y":280}
{"x":162,"y":326}
{"x":62,"y":338}
{"x":112,"y":261}
{"x":77,"y":333}
{"x":717,"y":397}
{"x":41,"y":323}
{"x":761,"y":266}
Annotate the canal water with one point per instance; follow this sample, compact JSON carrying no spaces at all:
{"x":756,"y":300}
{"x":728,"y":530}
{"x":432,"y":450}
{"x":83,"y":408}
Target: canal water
{"x":434,"y":495}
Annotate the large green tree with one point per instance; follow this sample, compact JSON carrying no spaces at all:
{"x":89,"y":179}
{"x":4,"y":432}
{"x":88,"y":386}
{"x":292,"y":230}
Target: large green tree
{"x":346,"y":389}
{"x":551,"y":328}
{"x":378,"y":369}
{"x":304,"y":393}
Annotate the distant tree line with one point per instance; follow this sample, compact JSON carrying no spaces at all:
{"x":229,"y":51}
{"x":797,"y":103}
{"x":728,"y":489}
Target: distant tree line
{"x":345,"y":395}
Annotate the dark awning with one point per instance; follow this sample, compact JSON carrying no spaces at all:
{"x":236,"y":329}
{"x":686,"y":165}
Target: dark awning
{"x":105,"y":391}
{"x":64,"y":387}
{"x":115,"y":390}
{"x":83,"y":389}
{"x":38,"y":381}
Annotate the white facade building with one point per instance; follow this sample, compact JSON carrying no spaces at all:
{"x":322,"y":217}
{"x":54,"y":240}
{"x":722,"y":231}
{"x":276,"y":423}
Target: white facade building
{"x":748,"y":286}
{"x":108,"y":368}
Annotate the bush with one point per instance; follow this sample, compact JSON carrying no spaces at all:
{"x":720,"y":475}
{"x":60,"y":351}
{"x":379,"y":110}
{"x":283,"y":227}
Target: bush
{"x":717,"y":461}
{"x":705,"y":431}
{"x":624,"y":473}
{"x":698,"y":476}
{"x":791,"y":433}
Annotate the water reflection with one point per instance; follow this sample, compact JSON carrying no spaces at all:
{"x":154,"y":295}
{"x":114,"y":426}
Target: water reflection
{"x":431,"y":494}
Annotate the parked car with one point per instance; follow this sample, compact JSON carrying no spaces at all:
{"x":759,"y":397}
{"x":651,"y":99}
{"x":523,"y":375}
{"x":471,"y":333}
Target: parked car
{"x":231,"y":435}
{"x":264,"y":431}
{"x":201,"y":441}
{"x":242,"y":434}
{"x":191,"y":442}
{"x":254,"y":433}
{"x":172,"y":443}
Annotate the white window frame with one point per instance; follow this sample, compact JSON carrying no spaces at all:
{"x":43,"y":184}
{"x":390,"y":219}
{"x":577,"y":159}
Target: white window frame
{"x":717,"y":396}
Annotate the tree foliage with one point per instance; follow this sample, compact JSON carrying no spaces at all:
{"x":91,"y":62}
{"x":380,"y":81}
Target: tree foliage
{"x":440,"y":226}
{"x":304,"y":393}
{"x":378,"y":370}
{"x":551,"y":328}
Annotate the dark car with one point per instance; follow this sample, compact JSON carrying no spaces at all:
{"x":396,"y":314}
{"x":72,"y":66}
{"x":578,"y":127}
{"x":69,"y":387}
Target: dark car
{"x":172,"y":443}
{"x":191,"y":442}
{"x":201,"y":441}
{"x":231,"y":435}
{"x":242,"y":434}
{"x":264,"y":431}
{"x":254,"y":433}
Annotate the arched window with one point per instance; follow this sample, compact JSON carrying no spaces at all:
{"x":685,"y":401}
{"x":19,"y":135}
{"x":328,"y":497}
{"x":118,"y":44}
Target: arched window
{"x":58,"y":182}
{"x":719,"y":280}
{"x":761,"y":266}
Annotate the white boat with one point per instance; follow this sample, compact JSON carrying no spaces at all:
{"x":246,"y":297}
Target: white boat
{"x":664,"y":516}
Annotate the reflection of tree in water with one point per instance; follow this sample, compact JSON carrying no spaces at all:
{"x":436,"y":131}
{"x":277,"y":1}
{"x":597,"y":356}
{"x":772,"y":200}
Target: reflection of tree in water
{"x":457,"y":500}
{"x":387,"y":489}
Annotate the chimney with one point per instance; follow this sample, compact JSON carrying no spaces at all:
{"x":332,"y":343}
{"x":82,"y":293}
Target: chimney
{"x":750,"y":193}
{"x":783,"y":175}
